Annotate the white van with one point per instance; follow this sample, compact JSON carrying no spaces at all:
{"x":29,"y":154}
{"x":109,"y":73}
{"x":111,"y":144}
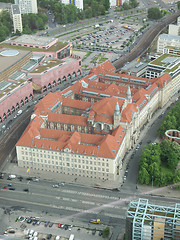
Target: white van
{"x":35,"y":234}
{"x":19,"y":112}
{"x":12,"y":176}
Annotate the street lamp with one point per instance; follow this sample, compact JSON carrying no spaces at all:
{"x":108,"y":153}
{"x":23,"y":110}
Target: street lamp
{"x":152,"y":181}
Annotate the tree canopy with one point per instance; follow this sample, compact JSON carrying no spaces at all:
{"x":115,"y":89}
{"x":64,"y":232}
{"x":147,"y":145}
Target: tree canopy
{"x":154,"y":13}
{"x":7,"y":1}
{"x":178,"y":4}
{"x":128,"y":5}
{"x":106,"y":232}
{"x":70,"y":13}
{"x":158,"y":162}
{"x":171,"y":121}
{"x":6,"y":25}
{"x":32,"y":22}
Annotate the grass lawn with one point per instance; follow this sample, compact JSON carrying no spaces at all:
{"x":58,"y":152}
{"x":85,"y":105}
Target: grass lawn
{"x":165,"y":169}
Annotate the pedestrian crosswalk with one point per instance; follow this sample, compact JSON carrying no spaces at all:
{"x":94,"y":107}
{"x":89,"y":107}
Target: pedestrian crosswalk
{"x":90,"y":194}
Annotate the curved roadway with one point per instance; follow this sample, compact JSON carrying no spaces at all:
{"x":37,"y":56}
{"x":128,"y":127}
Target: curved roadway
{"x":145,"y":41}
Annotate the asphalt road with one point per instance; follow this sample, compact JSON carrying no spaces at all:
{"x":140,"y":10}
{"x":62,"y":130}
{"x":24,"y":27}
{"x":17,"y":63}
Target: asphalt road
{"x":71,"y":201}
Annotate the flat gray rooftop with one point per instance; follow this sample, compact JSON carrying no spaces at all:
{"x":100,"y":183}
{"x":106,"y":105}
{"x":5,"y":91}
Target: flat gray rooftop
{"x":34,"y":40}
{"x":8,"y":61}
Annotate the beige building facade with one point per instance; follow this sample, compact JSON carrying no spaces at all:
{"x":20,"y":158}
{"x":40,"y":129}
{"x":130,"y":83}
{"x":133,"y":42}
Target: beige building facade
{"x":114,"y":119}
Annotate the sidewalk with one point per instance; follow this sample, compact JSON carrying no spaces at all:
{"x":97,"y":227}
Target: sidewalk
{"x":166,"y":191}
{"x":12,"y":168}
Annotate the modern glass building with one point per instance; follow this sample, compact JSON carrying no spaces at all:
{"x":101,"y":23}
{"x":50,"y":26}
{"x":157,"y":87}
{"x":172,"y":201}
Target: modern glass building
{"x":145,"y":221}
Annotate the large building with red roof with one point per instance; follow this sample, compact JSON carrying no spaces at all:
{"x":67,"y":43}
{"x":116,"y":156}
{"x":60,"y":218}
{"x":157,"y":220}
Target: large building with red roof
{"x":87,"y":129}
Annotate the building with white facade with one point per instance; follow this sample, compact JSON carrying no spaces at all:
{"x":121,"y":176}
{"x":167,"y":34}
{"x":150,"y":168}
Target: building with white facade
{"x":166,"y":63}
{"x":174,"y":29}
{"x":27,"y":6}
{"x":16,"y":16}
{"x":77,"y":3}
{"x":87,"y":129}
{"x":165,"y":40}
{"x":116,"y":3}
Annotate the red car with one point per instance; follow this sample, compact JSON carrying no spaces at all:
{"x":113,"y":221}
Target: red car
{"x":4,"y":187}
{"x":59,"y":225}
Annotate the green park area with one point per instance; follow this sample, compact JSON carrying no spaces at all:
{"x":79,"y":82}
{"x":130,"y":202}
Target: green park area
{"x":158,"y":162}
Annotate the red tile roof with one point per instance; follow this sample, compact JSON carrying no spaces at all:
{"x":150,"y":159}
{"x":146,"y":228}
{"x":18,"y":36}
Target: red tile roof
{"x":68,"y":102}
{"x":127,"y":113}
{"x":101,"y":143}
{"x":104,"y":68}
{"x":68,"y":119}
{"x":79,"y":143}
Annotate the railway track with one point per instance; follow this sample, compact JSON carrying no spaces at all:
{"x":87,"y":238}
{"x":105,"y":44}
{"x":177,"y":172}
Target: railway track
{"x":10,"y":138}
{"x":145,"y":41}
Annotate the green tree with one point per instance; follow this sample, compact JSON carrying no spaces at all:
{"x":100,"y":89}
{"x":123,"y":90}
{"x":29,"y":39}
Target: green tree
{"x":170,"y":153}
{"x":172,"y":160}
{"x":154,"y":13}
{"x":154,"y":169}
{"x":32,"y":22}
{"x":7,"y":1}
{"x":177,"y":177}
{"x":106,"y":4}
{"x":133,"y":3}
{"x":178,"y":4}
{"x":106,"y":232}
{"x":143,"y":176}
{"x":2,"y":34}
{"x":165,"y":150}
{"x":168,"y":123}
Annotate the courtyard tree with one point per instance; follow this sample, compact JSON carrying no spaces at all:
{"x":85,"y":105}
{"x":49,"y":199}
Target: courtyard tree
{"x":106,"y":232}
{"x":154,"y":13}
{"x":143,"y":176}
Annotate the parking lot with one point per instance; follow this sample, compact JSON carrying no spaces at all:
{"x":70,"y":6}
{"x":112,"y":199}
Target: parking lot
{"x":26,"y":226}
{"x":110,"y":38}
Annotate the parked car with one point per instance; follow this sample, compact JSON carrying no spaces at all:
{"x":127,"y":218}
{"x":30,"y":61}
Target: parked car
{"x":93,"y":231}
{"x":61,"y":184}
{"x":70,"y":228}
{"x":46,"y":223}
{"x":59,"y":225}
{"x":26,"y":190}
{"x":50,"y":224}
{"x":49,"y":236}
{"x":29,"y":178}
{"x":34,"y":222}
{"x":66,"y":227}
{"x":29,"y":220}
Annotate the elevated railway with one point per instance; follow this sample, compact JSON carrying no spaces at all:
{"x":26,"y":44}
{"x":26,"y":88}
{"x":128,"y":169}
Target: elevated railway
{"x":146,"y":40}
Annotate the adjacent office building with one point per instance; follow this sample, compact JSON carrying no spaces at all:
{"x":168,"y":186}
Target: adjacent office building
{"x":145,"y":221}
{"x":77,"y":3}
{"x":165,"y":40}
{"x":16,"y":16}
{"x":27,"y":6}
{"x":117,"y":3}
